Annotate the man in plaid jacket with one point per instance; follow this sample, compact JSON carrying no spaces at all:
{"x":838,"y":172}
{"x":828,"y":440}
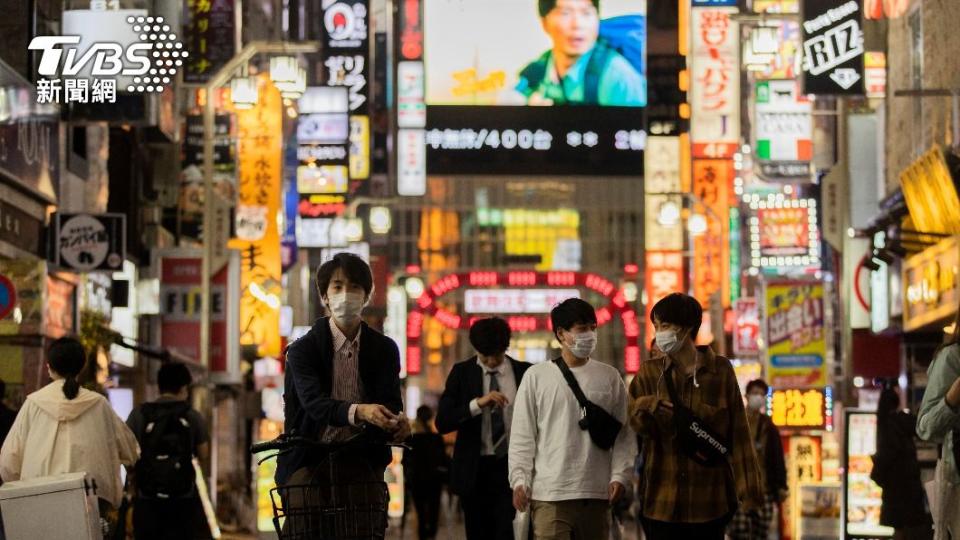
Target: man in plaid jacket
{"x":682,"y":498}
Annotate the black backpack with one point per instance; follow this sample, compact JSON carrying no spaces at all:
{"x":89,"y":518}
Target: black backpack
{"x":165,"y":469}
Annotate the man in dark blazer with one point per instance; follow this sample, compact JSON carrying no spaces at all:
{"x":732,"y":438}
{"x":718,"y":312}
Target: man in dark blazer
{"x":477,"y":403}
{"x":341,"y":375}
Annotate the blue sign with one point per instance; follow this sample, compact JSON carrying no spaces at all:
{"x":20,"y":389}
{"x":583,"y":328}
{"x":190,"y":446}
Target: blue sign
{"x":797,"y":361}
{"x":8,"y":296}
{"x":715,"y":3}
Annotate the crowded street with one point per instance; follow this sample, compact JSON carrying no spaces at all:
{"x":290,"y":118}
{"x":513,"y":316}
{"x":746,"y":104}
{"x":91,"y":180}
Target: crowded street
{"x":479,"y":269}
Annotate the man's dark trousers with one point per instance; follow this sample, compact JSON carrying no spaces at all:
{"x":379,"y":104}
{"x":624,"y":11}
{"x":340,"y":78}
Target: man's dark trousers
{"x":488,"y":510}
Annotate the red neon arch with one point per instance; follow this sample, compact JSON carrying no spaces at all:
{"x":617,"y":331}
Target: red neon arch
{"x":426,"y":305}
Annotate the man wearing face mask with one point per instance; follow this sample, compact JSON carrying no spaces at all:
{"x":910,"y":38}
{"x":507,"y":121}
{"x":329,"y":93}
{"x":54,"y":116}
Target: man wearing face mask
{"x":556,"y":467}
{"x":339,"y":376}
{"x":477,"y":403}
{"x":773,"y":470}
{"x":686,"y":495}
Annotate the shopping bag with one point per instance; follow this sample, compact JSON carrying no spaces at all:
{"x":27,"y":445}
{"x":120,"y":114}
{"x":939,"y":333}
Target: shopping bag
{"x":521,"y":525}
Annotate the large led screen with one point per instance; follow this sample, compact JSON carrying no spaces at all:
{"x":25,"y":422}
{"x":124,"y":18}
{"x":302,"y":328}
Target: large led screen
{"x":535,"y":86}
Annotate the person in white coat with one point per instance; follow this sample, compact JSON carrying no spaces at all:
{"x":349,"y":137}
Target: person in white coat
{"x":63,"y":428}
{"x":939,"y":421}
{"x":555,"y":466}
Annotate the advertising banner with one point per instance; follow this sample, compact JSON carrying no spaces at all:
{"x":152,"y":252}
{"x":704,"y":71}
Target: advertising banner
{"x":861,"y":495}
{"x":713,"y":186}
{"x":509,"y":109}
{"x":260,"y":153}
{"x":715,"y":83}
{"x":795,"y":334}
{"x":832,"y":47}
{"x":806,"y":409}
{"x":783,"y":62}
{"x":180,"y":305}
{"x":784,"y":234}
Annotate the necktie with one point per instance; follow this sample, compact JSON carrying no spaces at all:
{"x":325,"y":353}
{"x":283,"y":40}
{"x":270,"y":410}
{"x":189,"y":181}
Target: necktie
{"x":498,"y":430}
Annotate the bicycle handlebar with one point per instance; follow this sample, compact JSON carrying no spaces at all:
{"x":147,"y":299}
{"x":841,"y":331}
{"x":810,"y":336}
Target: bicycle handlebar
{"x":288,"y":441}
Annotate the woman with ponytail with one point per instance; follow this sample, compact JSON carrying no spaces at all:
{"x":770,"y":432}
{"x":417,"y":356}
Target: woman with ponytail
{"x":63,"y":428}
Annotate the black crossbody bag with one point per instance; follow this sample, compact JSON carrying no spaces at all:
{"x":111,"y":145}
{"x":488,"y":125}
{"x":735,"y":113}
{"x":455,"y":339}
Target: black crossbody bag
{"x":602,"y":426}
{"x":697,"y":440}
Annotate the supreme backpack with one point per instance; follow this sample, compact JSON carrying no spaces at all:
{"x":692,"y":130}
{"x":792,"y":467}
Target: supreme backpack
{"x":165,"y":469}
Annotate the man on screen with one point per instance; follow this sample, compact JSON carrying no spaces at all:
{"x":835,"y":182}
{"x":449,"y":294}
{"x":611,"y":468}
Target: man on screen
{"x":585,"y":66}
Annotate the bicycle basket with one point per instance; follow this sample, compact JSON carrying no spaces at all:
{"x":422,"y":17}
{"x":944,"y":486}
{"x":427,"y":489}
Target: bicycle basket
{"x":346,"y":511}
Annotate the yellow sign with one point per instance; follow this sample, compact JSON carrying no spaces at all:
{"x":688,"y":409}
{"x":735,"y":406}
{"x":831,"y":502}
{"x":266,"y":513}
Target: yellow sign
{"x":803,"y":467}
{"x":798,"y":409}
{"x":259,"y":157}
{"x":359,"y":147}
{"x":930,"y":194}
{"x":930,"y":285}
{"x":553,"y":235}
{"x":796,"y":343}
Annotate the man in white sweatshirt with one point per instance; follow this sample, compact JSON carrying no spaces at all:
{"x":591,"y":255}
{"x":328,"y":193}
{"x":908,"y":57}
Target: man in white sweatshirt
{"x":555,"y":467}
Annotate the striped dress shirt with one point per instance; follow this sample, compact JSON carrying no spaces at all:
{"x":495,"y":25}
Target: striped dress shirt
{"x":346,"y":380}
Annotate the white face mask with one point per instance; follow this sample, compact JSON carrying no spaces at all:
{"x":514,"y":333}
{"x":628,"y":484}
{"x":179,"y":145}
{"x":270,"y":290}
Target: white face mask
{"x":756,"y":402}
{"x":667,"y":341}
{"x":584,"y":344}
{"x":346,"y":306}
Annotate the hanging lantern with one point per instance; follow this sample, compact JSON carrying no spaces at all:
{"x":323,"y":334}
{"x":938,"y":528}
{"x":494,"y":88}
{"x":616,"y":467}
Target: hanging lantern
{"x":294,"y":89}
{"x":243,"y":92}
{"x":283,"y":70}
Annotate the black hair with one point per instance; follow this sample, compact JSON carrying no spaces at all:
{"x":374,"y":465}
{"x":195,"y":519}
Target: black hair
{"x":889,"y":402}
{"x":67,"y":357}
{"x":490,"y":336}
{"x":571,"y":312}
{"x":757,"y":383}
{"x":546,"y":6}
{"x":679,"y":309}
{"x":354,"y":269}
{"x":173,"y":377}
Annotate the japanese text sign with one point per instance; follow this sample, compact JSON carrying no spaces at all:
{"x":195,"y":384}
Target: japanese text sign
{"x":795,"y":337}
{"x":260,"y":153}
{"x":799,"y":408}
{"x":210,"y":36}
{"x":663,"y":275}
{"x":930,"y":280}
{"x":715,"y":83}
{"x":746,"y":333}
{"x":662,"y":188}
{"x":712,"y":186}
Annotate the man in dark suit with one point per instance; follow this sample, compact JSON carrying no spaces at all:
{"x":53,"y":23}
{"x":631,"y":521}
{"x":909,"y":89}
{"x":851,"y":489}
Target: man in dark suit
{"x":477,"y":403}
{"x":340,"y":375}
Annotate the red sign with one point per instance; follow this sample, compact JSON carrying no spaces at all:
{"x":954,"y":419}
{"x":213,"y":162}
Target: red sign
{"x":784,"y":232}
{"x":746,"y":330}
{"x":58,"y":308}
{"x":712,"y":185}
{"x":664,"y":275}
{"x":180,"y":302}
{"x":411,"y":30}
{"x":321,"y":206}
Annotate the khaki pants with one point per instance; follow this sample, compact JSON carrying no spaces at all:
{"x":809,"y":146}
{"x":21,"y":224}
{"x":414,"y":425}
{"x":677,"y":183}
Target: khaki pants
{"x":585,"y":519}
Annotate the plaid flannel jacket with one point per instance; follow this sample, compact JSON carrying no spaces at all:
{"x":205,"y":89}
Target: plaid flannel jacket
{"x":675,"y":488}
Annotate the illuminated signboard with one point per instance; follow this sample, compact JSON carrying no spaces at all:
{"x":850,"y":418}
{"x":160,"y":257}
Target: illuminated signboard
{"x":930,"y":194}
{"x":713,"y":186}
{"x":784,"y":123}
{"x":663,"y":275}
{"x":427,"y":305}
{"x":783,"y":233}
{"x":515,"y":300}
{"x":715,"y":83}
{"x":783,"y":62}
{"x":776,"y":6}
{"x":794,"y":334}
{"x":862,"y":497}
{"x":663,"y":229}
{"x":799,"y":408}
{"x":832,"y":47}
{"x":875,"y":72}
{"x":930,"y":280}
{"x":502,"y":108}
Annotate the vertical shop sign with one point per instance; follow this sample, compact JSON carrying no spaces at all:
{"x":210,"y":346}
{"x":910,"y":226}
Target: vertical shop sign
{"x":210,"y":36}
{"x":180,"y":305}
{"x":346,"y":63}
{"x":663,"y":275}
{"x":832,"y":47}
{"x":784,"y":122}
{"x":412,"y":162}
{"x":260,"y":153}
{"x":411,"y":104}
{"x":795,"y":337}
{"x":712,"y":184}
{"x":746,"y":333}
{"x":663,"y":228}
{"x":862,"y":497}
{"x":715,"y":83}
{"x":804,"y":465}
